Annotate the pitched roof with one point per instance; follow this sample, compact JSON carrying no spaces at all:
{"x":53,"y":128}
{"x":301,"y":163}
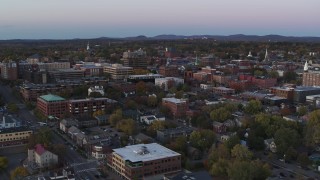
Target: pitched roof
{"x":51,"y":98}
{"x":39,"y":149}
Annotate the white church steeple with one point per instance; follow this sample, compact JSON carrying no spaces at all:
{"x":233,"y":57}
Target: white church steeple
{"x":88,"y":47}
{"x":305,"y":68}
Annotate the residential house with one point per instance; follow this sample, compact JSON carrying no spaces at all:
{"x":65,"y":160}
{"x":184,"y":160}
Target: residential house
{"x":219,"y":127}
{"x":42,"y":157}
{"x":270,"y":145}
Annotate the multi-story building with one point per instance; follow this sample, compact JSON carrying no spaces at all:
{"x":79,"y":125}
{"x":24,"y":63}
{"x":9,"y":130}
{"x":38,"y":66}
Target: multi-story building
{"x":166,"y":135}
{"x":284,"y":91}
{"x":42,"y":157}
{"x":89,"y":105}
{"x":53,"y":66}
{"x":52,"y":105}
{"x":143,"y":160}
{"x":223,"y":90}
{"x":168,"y":82}
{"x":65,"y":74}
{"x":209,"y":61}
{"x":178,"y":107}
{"x":117,"y":71}
{"x":261,"y":82}
{"x":9,"y":70}
{"x":144,"y":77}
{"x":169,"y":71}
{"x":14,"y":136}
{"x":136,"y":59}
{"x":311,"y":75}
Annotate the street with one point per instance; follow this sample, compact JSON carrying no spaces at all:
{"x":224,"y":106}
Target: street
{"x":84,"y":169}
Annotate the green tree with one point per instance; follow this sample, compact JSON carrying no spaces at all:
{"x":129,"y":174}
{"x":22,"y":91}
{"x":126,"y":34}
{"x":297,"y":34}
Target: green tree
{"x":202,"y":139}
{"x":312,"y":130}
{"x":232,"y":141}
{"x":12,"y":108}
{"x":246,"y":170}
{"x":285,"y":138}
{"x":290,"y":76}
{"x":253,"y":107}
{"x":241,"y":153}
{"x":3,"y":163}
{"x":273,"y":74}
{"x":115,"y":117}
{"x":303,"y":110}
{"x":156,"y":125}
{"x":221,"y":114}
{"x":303,"y":160}
{"x":128,"y":126}
{"x":141,"y":88}
{"x":152,"y":101}
{"x":219,"y":168}
{"x":18,"y":173}
{"x":258,"y":73}
{"x":98,"y":113}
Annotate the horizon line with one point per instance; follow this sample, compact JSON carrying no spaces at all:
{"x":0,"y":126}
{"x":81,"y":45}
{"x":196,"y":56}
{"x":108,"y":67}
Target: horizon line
{"x":136,"y":36}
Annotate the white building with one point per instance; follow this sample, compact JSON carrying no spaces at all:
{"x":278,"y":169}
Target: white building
{"x":8,"y":122}
{"x":98,"y":89}
{"x":42,"y":157}
{"x":148,"y":119}
{"x":167,"y":82}
{"x":206,"y":86}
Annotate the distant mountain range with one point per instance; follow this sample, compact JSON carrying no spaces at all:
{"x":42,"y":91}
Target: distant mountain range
{"x":236,"y":37}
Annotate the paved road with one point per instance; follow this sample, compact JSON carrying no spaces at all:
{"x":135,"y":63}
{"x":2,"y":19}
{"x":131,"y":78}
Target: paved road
{"x":84,"y":168}
{"x":290,"y":168}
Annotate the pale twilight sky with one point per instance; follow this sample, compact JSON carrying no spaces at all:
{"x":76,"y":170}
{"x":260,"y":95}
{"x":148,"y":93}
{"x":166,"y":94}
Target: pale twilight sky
{"x":66,"y":19}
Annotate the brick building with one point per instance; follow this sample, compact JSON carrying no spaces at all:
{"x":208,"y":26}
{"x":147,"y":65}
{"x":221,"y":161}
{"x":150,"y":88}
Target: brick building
{"x":52,"y":105}
{"x":169,"y":71}
{"x":178,"y":107}
{"x":143,"y":161}
{"x":285,"y":92}
{"x":223,"y":90}
{"x":89,"y":105}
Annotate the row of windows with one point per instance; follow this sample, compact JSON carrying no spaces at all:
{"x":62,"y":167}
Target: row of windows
{"x":11,"y":139}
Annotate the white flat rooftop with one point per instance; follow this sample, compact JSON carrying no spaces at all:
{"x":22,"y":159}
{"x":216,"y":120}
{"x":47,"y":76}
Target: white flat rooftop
{"x":145,"y":152}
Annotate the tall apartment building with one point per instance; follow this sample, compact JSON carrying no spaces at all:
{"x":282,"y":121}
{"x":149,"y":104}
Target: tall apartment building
{"x":311,"y":76}
{"x":52,"y":105}
{"x":178,"y":107}
{"x":136,"y":59}
{"x":118,"y":71}
{"x":9,"y":70}
{"x":143,"y":161}
{"x":89,"y":105}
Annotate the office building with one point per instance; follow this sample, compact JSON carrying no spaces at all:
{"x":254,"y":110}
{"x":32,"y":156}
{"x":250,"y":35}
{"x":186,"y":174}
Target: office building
{"x":143,"y":161}
{"x":118,"y":71}
{"x":52,"y":105}
{"x":136,"y":59}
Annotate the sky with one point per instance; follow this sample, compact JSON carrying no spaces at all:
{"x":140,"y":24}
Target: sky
{"x":68,"y":19}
